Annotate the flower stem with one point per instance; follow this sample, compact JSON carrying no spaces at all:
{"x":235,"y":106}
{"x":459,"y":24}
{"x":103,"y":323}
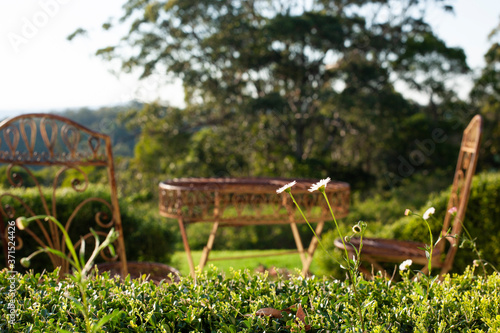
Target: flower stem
{"x":312,"y":229}
{"x":350,"y":270}
{"x":431,"y":247}
{"x":322,"y":190}
{"x":67,"y":239}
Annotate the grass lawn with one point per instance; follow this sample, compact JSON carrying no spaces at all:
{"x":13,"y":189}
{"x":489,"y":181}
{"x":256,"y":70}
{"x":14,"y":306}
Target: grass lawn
{"x":288,"y":261}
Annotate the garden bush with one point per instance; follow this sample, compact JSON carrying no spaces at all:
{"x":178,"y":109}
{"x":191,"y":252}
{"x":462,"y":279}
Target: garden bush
{"x":218,"y":303}
{"x":146,"y":235}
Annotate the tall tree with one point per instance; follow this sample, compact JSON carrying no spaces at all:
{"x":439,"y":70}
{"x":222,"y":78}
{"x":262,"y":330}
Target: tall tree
{"x":485,"y":96}
{"x":287,"y":87}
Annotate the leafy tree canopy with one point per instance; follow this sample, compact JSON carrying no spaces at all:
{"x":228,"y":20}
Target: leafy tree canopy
{"x":302,"y":88}
{"x":485,"y":98}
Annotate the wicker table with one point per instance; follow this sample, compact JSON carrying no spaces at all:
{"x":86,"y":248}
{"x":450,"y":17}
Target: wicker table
{"x":249,"y":201}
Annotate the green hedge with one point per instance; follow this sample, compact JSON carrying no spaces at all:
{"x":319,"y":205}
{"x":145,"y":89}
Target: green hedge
{"x":218,"y":303}
{"x":147,"y":236}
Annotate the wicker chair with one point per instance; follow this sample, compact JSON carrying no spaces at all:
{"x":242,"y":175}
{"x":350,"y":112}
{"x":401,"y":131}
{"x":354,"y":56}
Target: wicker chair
{"x":376,"y":251}
{"x":70,"y":154}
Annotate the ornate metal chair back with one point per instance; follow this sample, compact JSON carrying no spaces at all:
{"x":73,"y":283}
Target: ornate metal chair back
{"x":46,"y":158}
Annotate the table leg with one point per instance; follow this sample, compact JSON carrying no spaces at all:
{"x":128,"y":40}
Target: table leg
{"x":312,"y":247}
{"x":295,"y":231}
{"x":208,"y":248}
{"x":186,"y":247}
{"x":298,"y":242}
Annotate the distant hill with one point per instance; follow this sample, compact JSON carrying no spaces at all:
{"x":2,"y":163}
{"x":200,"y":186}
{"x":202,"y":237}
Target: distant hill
{"x":106,"y":120}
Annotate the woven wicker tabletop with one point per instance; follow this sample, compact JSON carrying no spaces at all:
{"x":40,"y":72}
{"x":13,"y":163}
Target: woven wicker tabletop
{"x":245,"y":185}
{"x":244,"y":200}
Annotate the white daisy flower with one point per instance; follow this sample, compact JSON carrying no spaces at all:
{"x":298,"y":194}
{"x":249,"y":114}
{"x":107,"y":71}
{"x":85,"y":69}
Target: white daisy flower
{"x":405,"y":265}
{"x":287,"y":186}
{"x":428,"y":213}
{"x":318,"y":185}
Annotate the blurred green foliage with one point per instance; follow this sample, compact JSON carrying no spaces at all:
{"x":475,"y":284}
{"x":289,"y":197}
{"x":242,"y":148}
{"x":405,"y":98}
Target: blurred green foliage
{"x":276,"y":88}
{"x":481,"y":220}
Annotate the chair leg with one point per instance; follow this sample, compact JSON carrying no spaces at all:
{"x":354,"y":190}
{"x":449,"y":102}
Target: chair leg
{"x":375,"y":266}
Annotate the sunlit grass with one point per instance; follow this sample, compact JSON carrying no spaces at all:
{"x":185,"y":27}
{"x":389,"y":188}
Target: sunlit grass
{"x":291,"y":262}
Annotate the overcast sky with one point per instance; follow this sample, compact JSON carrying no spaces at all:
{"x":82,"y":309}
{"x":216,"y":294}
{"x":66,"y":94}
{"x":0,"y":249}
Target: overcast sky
{"x":41,"y":71}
